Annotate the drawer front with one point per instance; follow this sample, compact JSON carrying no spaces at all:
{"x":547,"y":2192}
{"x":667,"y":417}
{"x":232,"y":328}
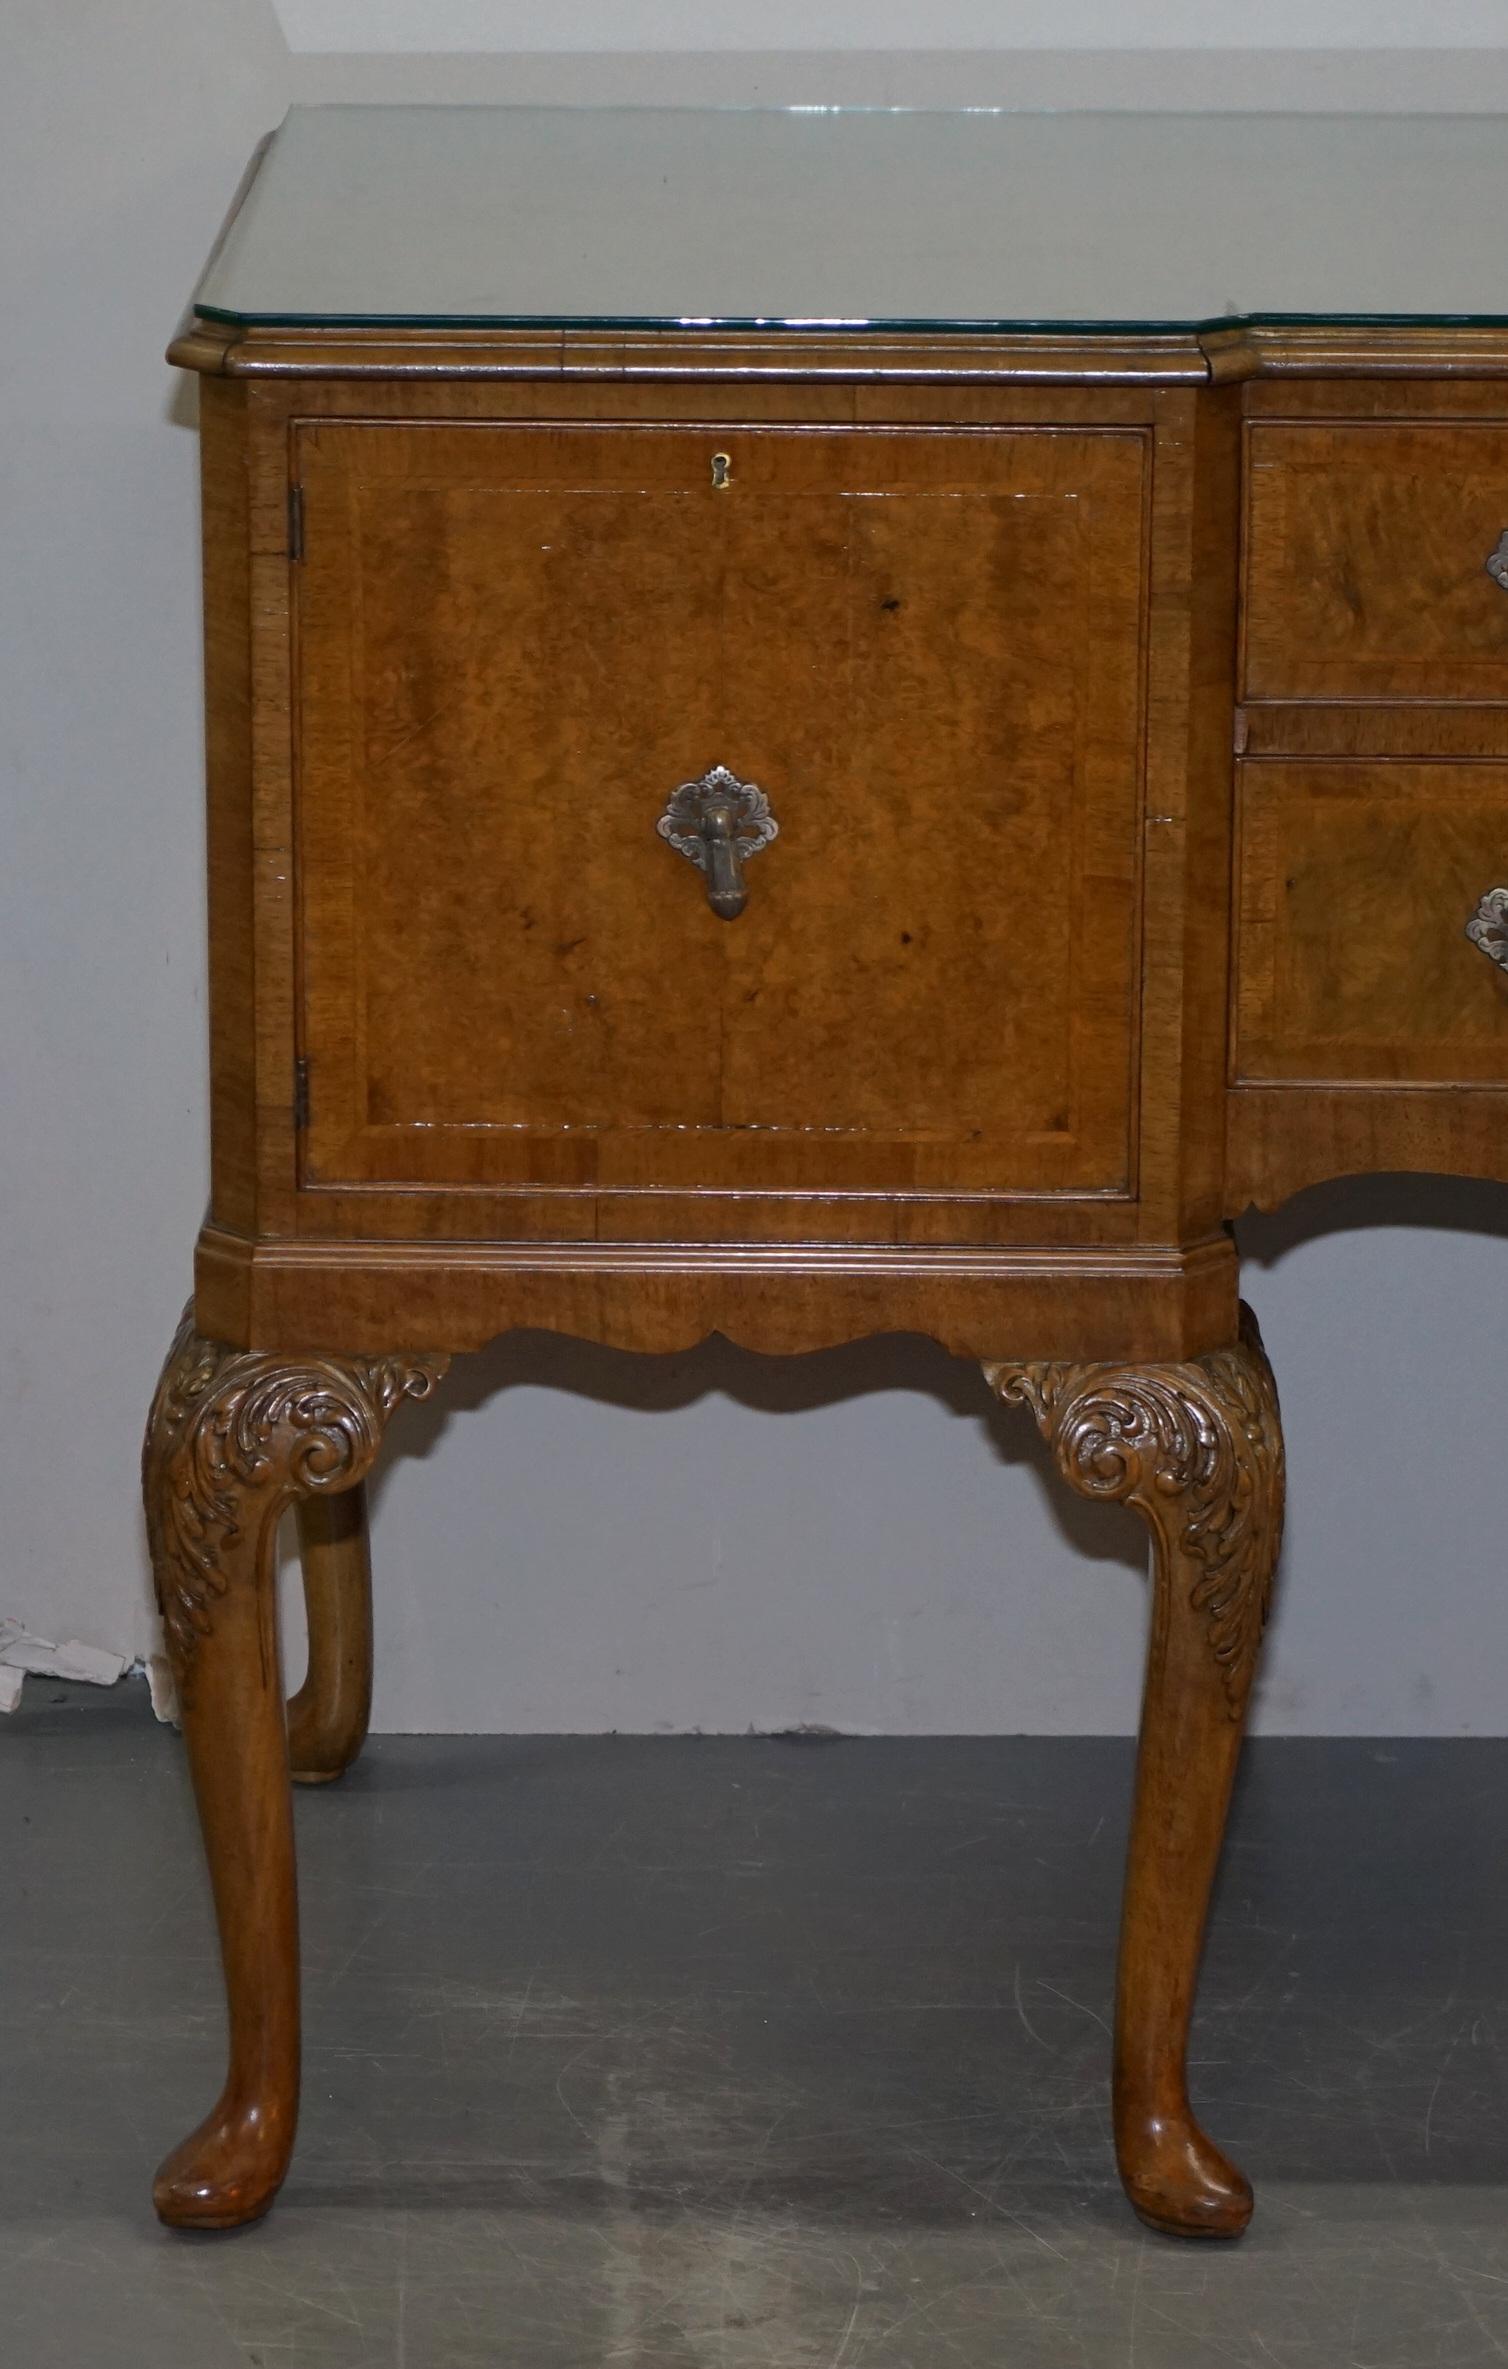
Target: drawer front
{"x":1366,"y":562}
{"x":514,"y":643}
{"x":1356,"y":886}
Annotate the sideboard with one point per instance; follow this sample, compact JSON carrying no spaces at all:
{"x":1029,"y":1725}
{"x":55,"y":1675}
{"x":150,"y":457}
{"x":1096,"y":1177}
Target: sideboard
{"x":821,"y":723}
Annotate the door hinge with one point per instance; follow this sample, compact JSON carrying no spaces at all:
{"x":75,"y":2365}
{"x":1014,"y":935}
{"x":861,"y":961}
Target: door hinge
{"x":295,"y":522}
{"x":1243,"y":729}
{"x":300,"y":1095}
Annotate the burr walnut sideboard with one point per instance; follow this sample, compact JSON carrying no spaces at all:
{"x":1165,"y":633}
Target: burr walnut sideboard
{"x":811,"y":733}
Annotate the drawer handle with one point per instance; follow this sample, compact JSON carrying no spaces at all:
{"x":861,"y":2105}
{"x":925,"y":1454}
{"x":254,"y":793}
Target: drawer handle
{"x":717,"y":823}
{"x":1488,"y":927}
{"x":1497,"y":561}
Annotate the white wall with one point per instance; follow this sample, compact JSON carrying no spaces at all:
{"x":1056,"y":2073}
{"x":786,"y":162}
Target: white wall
{"x":502,"y":25}
{"x":577,"y":1540}
{"x":120,"y":130}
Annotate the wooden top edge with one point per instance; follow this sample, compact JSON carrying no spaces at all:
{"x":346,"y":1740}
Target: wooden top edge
{"x":1243,"y":351}
{"x":230,"y":350}
{"x":1355,"y":350}
{"x":203,"y":346}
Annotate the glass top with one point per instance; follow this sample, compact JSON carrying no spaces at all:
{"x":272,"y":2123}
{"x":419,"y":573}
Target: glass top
{"x":871,"y":218}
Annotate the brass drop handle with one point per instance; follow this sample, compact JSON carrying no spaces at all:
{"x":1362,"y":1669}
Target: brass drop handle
{"x":726,"y":893}
{"x":717,"y":822}
{"x":1488,"y":927}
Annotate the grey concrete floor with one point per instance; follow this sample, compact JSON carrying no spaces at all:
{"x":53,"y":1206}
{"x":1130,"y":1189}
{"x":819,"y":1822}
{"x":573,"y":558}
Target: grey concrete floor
{"x":730,"y":2054}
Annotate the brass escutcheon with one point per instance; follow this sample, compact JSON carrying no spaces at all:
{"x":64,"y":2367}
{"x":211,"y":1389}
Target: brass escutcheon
{"x":717,"y":822}
{"x":1488,"y":927}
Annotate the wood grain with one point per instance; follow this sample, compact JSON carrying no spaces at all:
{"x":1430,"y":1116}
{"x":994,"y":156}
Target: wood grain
{"x":228,"y":760}
{"x":232,"y":1441}
{"x":1197,"y":1450}
{"x":1371,"y":728}
{"x":658,"y":356}
{"x":926,"y":649}
{"x":1342,"y":352}
{"x":1357,"y":882}
{"x":781,"y":1299}
{"x":328,"y":1716}
{"x":1366,"y":550}
{"x":1283,"y":1138}
{"x":1187,"y":816}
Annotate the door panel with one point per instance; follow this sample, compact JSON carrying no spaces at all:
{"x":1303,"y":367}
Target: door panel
{"x":1366,"y":561}
{"x":1356,"y":886}
{"x":513,"y":643}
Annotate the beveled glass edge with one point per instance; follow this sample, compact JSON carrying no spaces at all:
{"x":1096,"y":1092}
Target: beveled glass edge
{"x":932,"y":324}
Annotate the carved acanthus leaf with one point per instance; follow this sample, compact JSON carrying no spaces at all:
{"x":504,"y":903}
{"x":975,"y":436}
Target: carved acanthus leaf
{"x":234,"y":1436}
{"x":1197,"y":1448}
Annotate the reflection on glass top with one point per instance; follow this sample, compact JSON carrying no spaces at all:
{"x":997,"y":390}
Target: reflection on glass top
{"x":882,"y":218}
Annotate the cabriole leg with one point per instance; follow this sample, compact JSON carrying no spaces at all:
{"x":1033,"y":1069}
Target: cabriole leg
{"x":234,"y":1437}
{"x":1197,"y":1448}
{"x":327,"y":1718}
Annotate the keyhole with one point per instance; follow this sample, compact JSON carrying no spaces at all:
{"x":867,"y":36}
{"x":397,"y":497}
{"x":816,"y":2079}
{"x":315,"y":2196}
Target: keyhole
{"x":722,"y":472}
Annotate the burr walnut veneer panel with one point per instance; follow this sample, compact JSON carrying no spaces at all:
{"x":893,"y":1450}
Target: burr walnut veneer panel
{"x":513,"y":643}
{"x":1367,"y":1031}
{"x":1357,"y":882}
{"x":1366,"y":575}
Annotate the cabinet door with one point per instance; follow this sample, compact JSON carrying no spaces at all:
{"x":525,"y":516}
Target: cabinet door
{"x":514,"y":643}
{"x":1357,"y":883}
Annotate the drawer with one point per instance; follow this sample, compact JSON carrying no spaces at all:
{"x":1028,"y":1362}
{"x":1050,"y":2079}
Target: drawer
{"x":1356,"y":883}
{"x":1366,"y":562}
{"x":514,"y":643}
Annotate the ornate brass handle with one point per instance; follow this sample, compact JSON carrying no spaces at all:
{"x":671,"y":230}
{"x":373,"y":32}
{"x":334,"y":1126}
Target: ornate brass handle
{"x":1497,"y":561}
{"x":717,"y":823}
{"x":1488,"y":927}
